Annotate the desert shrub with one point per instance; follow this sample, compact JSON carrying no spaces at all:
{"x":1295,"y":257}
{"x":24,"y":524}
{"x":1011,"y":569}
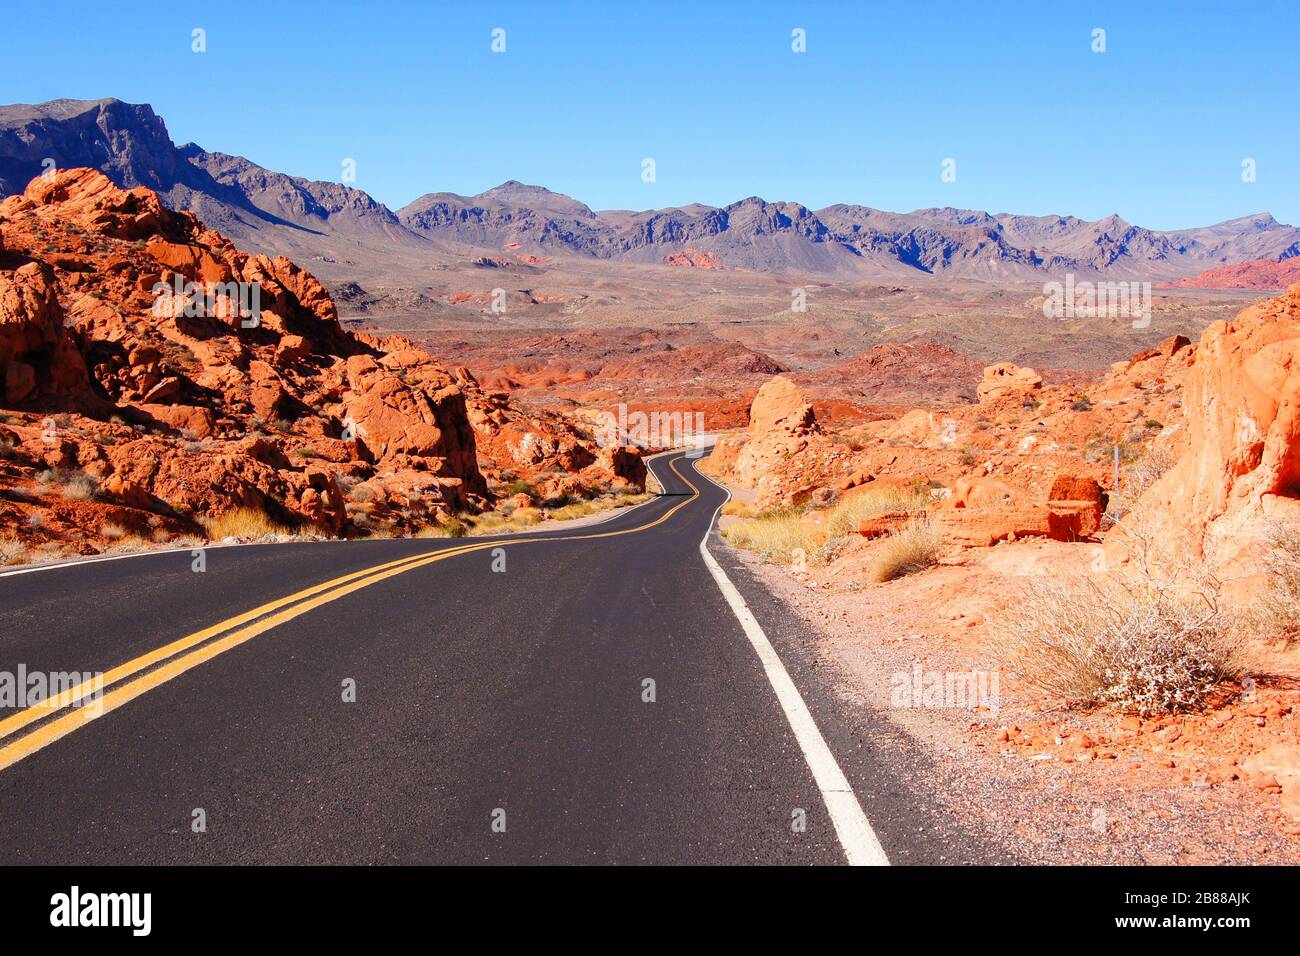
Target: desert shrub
{"x":521,"y":487}
{"x":243,"y":523}
{"x":112,"y":531}
{"x":73,"y":484}
{"x":781,"y":534}
{"x":11,"y":549}
{"x":575,"y":509}
{"x":1276,"y":611}
{"x":849,"y":512}
{"x":453,"y":527}
{"x":1152,"y":638}
{"x":1081,"y":404}
{"x":1136,"y":478}
{"x":776,"y":534}
{"x":80,"y":488}
{"x":737,"y":509}
{"x":914,"y":547}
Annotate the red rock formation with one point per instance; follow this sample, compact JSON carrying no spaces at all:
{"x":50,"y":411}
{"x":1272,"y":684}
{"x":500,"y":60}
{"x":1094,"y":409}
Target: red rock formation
{"x":693,"y":259}
{"x":1255,"y":274}
{"x":1240,"y":468}
{"x":181,"y":405}
{"x":1007,"y":381}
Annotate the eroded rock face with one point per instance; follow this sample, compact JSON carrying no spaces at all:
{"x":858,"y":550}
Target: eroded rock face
{"x":693,"y":259}
{"x":1240,"y":465}
{"x":784,"y":455}
{"x":1007,"y":381}
{"x":120,"y":362}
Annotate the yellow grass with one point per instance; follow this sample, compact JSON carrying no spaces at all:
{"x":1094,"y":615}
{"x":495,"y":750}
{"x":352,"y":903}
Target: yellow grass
{"x":496,"y":522}
{"x":780,"y":534}
{"x":912,"y":548}
{"x":243,"y":523}
{"x":777,"y":535}
{"x":11,"y":549}
{"x":845,"y":515}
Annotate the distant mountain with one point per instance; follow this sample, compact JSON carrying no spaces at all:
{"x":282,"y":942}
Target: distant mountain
{"x":842,"y":239}
{"x":273,"y":212}
{"x":258,"y":208}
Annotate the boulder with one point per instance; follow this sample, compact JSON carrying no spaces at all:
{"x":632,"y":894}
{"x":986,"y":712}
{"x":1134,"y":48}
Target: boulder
{"x":1007,"y":381}
{"x":983,"y":527}
{"x":1282,"y":763}
{"x":1240,"y":466}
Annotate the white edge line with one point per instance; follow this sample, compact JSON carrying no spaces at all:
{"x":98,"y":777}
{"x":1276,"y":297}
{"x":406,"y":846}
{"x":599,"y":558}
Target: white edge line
{"x":861,"y":846}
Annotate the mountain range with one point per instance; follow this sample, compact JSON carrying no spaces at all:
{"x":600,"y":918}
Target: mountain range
{"x":273,"y":212}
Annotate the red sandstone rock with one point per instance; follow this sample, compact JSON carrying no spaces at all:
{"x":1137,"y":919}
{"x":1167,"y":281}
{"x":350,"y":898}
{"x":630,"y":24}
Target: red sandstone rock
{"x":1007,"y":381}
{"x":693,"y":259}
{"x":1240,"y":467}
{"x":103,"y":371}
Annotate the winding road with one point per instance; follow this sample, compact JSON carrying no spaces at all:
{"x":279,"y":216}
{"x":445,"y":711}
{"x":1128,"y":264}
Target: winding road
{"x":623,"y":692}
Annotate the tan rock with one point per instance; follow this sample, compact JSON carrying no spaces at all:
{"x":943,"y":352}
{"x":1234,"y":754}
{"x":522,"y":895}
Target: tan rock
{"x":1006,"y":380}
{"x":1240,"y":469}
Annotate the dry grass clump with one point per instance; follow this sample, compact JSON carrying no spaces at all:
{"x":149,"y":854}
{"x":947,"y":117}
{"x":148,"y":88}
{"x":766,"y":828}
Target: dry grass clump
{"x":914,"y":547}
{"x":451,"y":527}
{"x":1276,"y":612}
{"x":511,"y":519}
{"x":783,"y":535}
{"x":73,"y":485}
{"x":581,"y":509}
{"x":12,"y":549}
{"x":1136,"y":478}
{"x":777,"y":534}
{"x":1153,"y":638}
{"x":849,"y":512}
{"x":243,"y":523}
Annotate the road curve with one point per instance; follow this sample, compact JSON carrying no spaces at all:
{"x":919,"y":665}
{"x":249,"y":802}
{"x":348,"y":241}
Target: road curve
{"x":502,"y":710}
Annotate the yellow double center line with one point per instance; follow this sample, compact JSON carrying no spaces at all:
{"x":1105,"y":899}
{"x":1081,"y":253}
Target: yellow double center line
{"x":171,"y":660}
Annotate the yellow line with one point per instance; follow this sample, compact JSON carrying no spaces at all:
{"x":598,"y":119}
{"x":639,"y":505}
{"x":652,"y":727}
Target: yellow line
{"x":51,"y":704}
{"x":47,"y":734}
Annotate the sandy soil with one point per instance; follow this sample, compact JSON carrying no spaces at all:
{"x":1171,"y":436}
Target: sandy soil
{"x":1056,"y":786}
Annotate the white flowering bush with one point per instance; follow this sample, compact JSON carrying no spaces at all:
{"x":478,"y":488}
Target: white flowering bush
{"x":1151,"y":639}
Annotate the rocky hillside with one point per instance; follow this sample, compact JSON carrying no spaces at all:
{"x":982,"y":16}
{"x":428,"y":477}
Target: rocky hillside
{"x":782,"y":237}
{"x":129,"y":143}
{"x":155,"y":377}
{"x":273,"y":212}
{"x":1264,"y":274}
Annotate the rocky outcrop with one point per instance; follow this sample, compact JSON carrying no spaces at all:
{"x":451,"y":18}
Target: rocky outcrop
{"x":693,"y":259}
{"x":1007,"y":381}
{"x":144,"y":357}
{"x":1256,"y":274}
{"x":1240,"y":467}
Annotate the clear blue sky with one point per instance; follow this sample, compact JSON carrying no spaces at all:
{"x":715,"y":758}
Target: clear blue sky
{"x":1154,"y":129}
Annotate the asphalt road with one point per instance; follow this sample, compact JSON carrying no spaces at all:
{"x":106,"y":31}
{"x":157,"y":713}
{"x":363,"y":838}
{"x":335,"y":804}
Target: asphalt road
{"x":500,"y":713}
